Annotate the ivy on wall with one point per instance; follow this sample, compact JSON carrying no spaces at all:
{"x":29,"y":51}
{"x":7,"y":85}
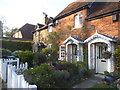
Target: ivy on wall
{"x":13,"y":45}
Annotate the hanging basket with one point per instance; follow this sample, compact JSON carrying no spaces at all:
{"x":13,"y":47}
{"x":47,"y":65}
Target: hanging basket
{"x":107,"y":55}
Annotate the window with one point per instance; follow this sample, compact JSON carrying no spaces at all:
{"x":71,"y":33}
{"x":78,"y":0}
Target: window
{"x":62,"y":52}
{"x":78,"y":21}
{"x":49,"y":28}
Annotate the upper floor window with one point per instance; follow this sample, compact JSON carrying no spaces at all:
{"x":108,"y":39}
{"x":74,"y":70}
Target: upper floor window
{"x":78,"y":21}
{"x":49,"y":28}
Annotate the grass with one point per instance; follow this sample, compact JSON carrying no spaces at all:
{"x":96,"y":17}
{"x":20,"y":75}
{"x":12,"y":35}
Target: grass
{"x":103,"y":87}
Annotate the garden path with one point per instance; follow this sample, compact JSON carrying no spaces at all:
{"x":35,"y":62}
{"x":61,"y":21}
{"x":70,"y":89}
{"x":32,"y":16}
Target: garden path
{"x":96,"y":79}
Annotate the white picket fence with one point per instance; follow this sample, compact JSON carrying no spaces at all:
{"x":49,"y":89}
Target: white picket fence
{"x":11,"y":74}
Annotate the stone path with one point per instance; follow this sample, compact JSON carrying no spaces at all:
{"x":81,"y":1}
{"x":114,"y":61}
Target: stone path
{"x":96,"y":79}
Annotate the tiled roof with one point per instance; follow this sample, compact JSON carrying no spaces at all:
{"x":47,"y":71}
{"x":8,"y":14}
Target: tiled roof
{"x":99,"y":8}
{"x":71,"y":7}
{"x":94,"y":8}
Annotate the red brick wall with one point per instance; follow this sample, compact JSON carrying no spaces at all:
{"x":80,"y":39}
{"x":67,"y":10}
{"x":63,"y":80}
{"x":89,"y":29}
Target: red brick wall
{"x":103,"y":25}
{"x":65,"y":26}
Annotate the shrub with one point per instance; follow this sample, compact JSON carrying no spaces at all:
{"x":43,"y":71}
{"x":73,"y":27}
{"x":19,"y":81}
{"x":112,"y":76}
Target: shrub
{"x":16,"y":45}
{"x":71,"y":68}
{"x":5,"y":52}
{"x":26,"y":56}
{"x":50,"y":54}
{"x":117,"y":58}
{"x":39,"y":58}
{"x":63,"y":77}
{"x":41,"y":76}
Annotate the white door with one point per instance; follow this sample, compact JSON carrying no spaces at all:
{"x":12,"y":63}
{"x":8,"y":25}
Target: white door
{"x":101,"y":63}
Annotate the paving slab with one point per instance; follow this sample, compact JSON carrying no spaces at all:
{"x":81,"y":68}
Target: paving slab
{"x":96,"y":79}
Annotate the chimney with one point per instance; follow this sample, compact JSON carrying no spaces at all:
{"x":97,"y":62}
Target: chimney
{"x":45,"y":19}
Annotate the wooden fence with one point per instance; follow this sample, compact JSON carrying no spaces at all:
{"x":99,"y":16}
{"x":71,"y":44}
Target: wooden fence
{"x":11,"y":74}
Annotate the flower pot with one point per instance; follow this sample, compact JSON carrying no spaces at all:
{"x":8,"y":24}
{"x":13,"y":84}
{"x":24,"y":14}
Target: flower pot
{"x":109,"y":79}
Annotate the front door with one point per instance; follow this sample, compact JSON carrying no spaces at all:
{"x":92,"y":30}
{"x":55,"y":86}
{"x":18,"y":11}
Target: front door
{"x":72,"y":52}
{"x":101,"y":63}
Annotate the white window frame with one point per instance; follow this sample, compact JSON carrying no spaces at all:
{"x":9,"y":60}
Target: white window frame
{"x":62,"y":52}
{"x":78,"y":21}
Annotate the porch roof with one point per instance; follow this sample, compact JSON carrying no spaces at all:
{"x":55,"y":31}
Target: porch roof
{"x":103,"y":36}
{"x":75,"y":39}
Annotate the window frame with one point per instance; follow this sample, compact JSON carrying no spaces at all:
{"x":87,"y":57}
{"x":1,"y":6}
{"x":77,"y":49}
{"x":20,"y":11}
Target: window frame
{"x":79,"y":21}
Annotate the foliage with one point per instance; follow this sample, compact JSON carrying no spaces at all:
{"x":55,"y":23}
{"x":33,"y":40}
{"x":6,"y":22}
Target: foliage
{"x":39,"y":58}
{"x":26,"y":56}
{"x":41,"y":76}
{"x":5,"y":52}
{"x":63,"y":76}
{"x":71,"y":68}
{"x":16,"y":45}
{"x":50,"y":54}
{"x":117,"y":58}
{"x":53,"y":38}
{"x":102,"y":86}
{"x":107,"y":54}
{"x":106,"y":73}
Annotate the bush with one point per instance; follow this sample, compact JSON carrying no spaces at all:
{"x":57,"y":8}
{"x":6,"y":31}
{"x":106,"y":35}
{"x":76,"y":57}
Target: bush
{"x":50,"y":54}
{"x":5,"y":52}
{"x":63,"y":77}
{"x":41,"y":76}
{"x":71,"y":68}
{"x":39,"y":58}
{"x":16,"y":45}
{"x":117,"y":58}
{"x":26,"y":56}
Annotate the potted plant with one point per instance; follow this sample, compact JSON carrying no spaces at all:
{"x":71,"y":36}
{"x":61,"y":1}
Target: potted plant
{"x":109,"y":77}
{"x":107,"y":55}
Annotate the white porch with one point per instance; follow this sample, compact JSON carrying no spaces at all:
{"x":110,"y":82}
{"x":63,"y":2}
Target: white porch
{"x":97,"y":44}
{"x":74,"y":49}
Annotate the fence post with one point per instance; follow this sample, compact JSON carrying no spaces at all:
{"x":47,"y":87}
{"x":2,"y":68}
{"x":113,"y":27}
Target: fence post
{"x":1,"y":61}
{"x":9,"y":79}
{"x":17,"y":63}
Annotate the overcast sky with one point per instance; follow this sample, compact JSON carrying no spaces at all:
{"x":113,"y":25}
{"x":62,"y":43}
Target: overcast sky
{"x":20,"y":12}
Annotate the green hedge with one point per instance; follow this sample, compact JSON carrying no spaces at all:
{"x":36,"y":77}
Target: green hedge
{"x":13,"y":45}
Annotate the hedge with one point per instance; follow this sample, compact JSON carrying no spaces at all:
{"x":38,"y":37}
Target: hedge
{"x":13,"y":45}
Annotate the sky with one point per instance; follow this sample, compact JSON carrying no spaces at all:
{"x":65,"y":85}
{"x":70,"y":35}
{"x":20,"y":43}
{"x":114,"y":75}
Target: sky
{"x":17,"y":13}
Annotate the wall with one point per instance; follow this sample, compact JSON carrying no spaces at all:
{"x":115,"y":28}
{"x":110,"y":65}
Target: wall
{"x":18,"y":34}
{"x":66,"y":26}
{"x":103,"y":25}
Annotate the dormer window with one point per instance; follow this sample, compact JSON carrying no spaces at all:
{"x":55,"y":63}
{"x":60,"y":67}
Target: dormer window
{"x":78,"y":21}
{"x":49,"y":28}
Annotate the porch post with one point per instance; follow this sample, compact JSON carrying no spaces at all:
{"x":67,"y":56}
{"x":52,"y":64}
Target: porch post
{"x":89,"y":64}
{"x":66,"y":52}
{"x":78,"y":52}
{"x":110,"y":60}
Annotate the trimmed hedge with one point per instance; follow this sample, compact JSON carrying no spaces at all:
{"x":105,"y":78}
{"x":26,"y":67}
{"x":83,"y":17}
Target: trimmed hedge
{"x":13,"y":45}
